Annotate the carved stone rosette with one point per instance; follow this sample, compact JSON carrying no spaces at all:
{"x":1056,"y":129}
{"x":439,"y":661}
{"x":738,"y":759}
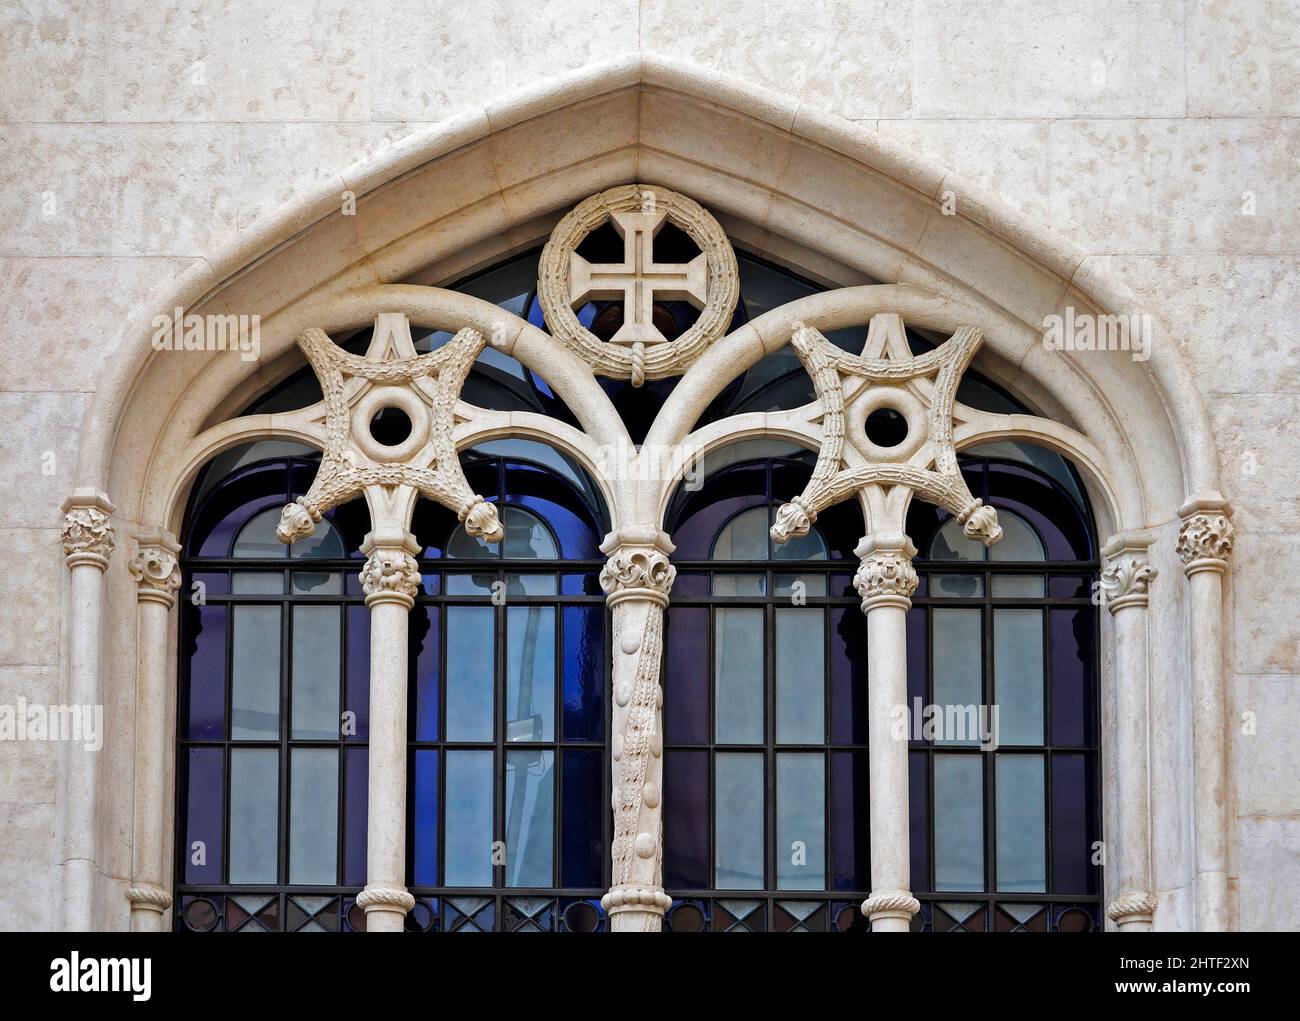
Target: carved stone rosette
{"x":886,"y":576}
{"x":87,"y":532}
{"x":391,"y":575}
{"x":636,"y":580}
{"x":1126,"y":581}
{"x":1205,"y":542}
{"x":156,"y":569}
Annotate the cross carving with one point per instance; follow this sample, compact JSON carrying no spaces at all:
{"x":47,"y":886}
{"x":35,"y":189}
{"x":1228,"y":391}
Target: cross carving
{"x":638,"y":278}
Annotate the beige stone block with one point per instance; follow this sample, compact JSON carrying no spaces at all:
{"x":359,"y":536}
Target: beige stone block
{"x":1008,"y":158}
{"x":800,"y":48}
{"x":29,"y":769}
{"x":62,"y":320}
{"x":571,"y":137}
{"x":26,"y":854}
{"x":1269,"y":873}
{"x":38,"y":455}
{"x":1259,"y":457}
{"x":29,"y":630}
{"x":1231,"y":316}
{"x":1023,"y":58}
{"x":1176,"y":186}
{"x":442,"y":58}
{"x":244,"y":60}
{"x":1243,"y":59}
{"x":1266,"y":778}
{"x":1265,"y":592}
{"x":51,"y":61}
{"x":82,"y":189}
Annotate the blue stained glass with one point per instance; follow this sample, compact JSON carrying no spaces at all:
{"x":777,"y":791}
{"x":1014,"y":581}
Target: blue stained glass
{"x":424,"y":659}
{"x":471,"y":646}
{"x":584,"y":672}
{"x":686,"y":676}
{"x":686,"y":822}
{"x":468,"y":819}
{"x":530,"y":673}
{"x":850,"y":851}
{"x":358,"y":672}
{"x":919,"y":820}
{"x":530,"y":818}
{"x":207,"y":696}
{"x":1072,"y":829}
{"x":356,"y":799}
{"x":848,"y":676}
{"x":205,"y":814}
{"x":424,"y":800}
{"x":582,"y":817}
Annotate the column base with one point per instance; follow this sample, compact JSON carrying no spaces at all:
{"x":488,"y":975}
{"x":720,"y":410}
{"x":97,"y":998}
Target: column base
{"x":386,"y":908}
{"x":636,"y":908}
{"x":1132,"y":911}
{"x":891,"y":910}
{"x":149,"y":902}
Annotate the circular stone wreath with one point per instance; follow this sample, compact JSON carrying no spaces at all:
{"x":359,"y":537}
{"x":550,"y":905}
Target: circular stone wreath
{"x":639,"y":362}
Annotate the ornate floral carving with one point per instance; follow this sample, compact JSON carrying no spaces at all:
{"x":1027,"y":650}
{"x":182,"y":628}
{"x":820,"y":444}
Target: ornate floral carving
{"x":638,"y":351}
{"x":850,"y":386}
{"x":390,"y":572}
{"x":885,"y":574}
{"x":156,"y":571}
{"x":87,"y":531}
{"x":640,"y":570}
{"x":426,"y":387}
{"x":1132,"y":907}
{"x":1205,"y":537}
{"x":1125,"y":582}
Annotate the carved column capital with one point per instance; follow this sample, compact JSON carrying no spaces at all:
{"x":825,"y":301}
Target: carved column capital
{"x":156,"y":567}
{"x":391,"y":575}
{"x":638,"y":567}
{"x":1128,"y":576}
{"x":87,"y":532}
{"x":1132,"y":907}
{"x":886,"y":576}
{"x":1206,"y":537}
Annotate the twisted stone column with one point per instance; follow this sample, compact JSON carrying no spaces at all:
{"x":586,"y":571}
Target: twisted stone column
{"x":157,"y":575}
{"x":1204,"y":545}
{"x":636,"y":580}
{"x":390,"y":580}
{"x":886,"y":581}
{"x":87,"y":537}
{"x":1124,"y":584}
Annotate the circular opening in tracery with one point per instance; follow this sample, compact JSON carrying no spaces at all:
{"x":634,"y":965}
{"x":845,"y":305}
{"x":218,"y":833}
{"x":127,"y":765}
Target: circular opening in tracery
{"x":885,"y":427}
{"x":610,"y":318}
{"x":200,"y":915}
{"x":391,"y":426}
{"x":581,"y":917}
{"x":687,"y":918}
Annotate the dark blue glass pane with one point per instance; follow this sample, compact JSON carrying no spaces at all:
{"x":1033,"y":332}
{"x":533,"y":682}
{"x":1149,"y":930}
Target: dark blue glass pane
{"x":204,"y":815}
{"x":916,"y":655}
{"x":584,"y":672}
{"x":210,"y":583}
{"x":356,"y":798}
{"x":690,"y":583}
{"x":918,"y":782}
{"x":850,"y":818}
{"x":1072,"y":645}
{"x":426,"y":662}
{"x":723,"y":496}
{"x":424,"y":809}
{"x":582,"y":819}
{"x":686,"y":676}
{"x":223,"y":512}
{"x":1069,"y":586}
{"x":848,"y":676}
{"x":1041,"y":502}
{"x":686,"y":823}
{"x":587,"y":584}
{"x":206,"y":628}
{"x":1072,"y":831}
{"x":358,"y":675}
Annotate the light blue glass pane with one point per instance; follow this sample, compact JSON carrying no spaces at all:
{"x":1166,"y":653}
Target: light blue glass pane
{"x":469,"y":819}
{"x":1022,"y":855}
{"x":466,"y":584}
{"x":319,"y":583}
{"x":738,"y":674}
{"x":958,"y":653}
{"x":1013,"y":586}
{"x":530,"y":818}
{"x":951,"y":544}
{"x":324,"y":543}
{"x":958,"y":822}
{"x":313,"y":816}
{"x":1019,"y":540}
{"x":1018,"y":675}
{"x":530,"y":673}
{"x":800,"y":676}
{"x":257,"y":539}
{"x":806,"y":547}
{"x":471,"y":662}
{"x":800,"y":821}
{"x":526,"y":537}
{"x":960,"y":586}
{"x":254,"y":814}
{"x":744,"y":537}
{"x":531,"y":585}
{"x":257,"y":583}
{"x":315,"y":667}
{"x":738,"y":821}
{"x":739,"y":584}
{"x":797,"y":585}
{"x":255,"y":669}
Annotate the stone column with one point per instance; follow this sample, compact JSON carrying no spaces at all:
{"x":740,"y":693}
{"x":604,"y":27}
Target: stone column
{"x":636,"y":580}
{"x":87,"y":537}
{"x":886,"y":581}
{"x":390,"y":579}
{"x":1124,"y":584}
{"x":157,"y":575}
{"x":1204,"y":545}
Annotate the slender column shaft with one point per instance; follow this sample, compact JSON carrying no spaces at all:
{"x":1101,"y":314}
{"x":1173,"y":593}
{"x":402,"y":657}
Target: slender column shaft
{"x":390,"y":579}
{"x":87,"y":537}
{"x":886,"y":581}
{"x":158,"y":576}
{"x":1125,"y":583}
{"x":636,"y":581}
{"x":1204,"y":544}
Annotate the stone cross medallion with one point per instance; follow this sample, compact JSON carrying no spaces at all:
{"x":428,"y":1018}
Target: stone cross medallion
{"x":638,"y":350}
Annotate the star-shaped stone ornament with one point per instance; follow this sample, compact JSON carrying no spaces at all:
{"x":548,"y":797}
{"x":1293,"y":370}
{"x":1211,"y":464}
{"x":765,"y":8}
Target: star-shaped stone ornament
{"x":919,"y":454}
{"x":356,"y":389}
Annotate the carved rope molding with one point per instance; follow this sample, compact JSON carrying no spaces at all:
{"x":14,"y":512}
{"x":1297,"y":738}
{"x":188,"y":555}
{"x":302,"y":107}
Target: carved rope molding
{"x":149,"y":897}
{"x":1131,"y":907}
